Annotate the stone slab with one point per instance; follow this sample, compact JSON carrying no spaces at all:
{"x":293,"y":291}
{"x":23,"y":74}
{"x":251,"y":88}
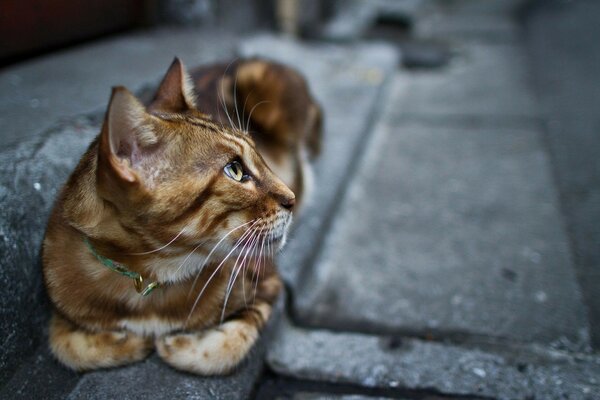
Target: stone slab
{"x":30,"y":176}
{"x":569,"y":96}
{"x":354,"y":17}
{"x":153,"y":379}
{"x":478,"y":7}
{"x":324,"y":396}
{"x":482,"y":80}
{"x":348,"y":82}
{"x":37,"y":93}
{"x":456,"y":27}
{"x":378,"y":362}
{"x":450,"y":229}
{"x":40,"y":377}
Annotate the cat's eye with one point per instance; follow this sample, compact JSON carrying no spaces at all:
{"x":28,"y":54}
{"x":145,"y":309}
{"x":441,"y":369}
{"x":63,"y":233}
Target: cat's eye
{"x":235,"y":171}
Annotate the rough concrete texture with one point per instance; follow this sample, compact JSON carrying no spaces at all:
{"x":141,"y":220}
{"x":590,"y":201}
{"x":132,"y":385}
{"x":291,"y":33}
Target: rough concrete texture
{"x":562,"y":40}
{"x":30,"y":177}
{"x":353,"y":18}
{"x":504,"y":8}
{"x":373,"y":361}
{"x":482,"y":81}
{"x":153,"y":379}
{"x":468,"y":237}
{"x":347,"y":81}
{"x":37,"y":93}
{"x":454,"y":27}
{"x":322,"y":396}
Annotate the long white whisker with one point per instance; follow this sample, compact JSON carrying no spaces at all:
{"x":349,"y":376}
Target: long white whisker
{"x":224,"y":105}
{"x":245,"y":265}
{"x":223,"y":94}
{"x":234,"y":275}
{"x":261,"y":261}
{"x":252,"y":110}
{"x":244,"y":109}
{"x":215,"y":271}
{"x":162,"y":247}
{"x":235,"y":105}
{"x":211,"y":253}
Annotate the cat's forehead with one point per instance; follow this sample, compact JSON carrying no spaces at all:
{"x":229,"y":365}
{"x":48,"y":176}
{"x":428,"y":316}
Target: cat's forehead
{"x":220,"y":142}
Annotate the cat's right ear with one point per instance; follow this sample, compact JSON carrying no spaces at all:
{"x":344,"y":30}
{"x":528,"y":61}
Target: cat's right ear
{"x":176,"y":91}
{"x":126,"y":136}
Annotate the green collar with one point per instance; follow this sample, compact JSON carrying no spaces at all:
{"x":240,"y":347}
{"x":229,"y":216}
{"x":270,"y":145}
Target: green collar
{"x":121,"y":269}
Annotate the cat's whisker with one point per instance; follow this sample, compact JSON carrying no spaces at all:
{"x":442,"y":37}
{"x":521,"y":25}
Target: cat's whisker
{"x":244,"y":247}
{"x":252,"y":110}
{"x":216,"y":270}
{"x":254,"y":222}
{"x":210,"y":253}
{"x":162,"y":247}
{"x":235,"y":105}
{"x":250,"y":260}
{"x":235,"y":272}
{"x":222,"y":96}
{"x":258,"y":268}
{"x":246,"y":261}
{"x":244,"y":110}
{"x":224,"y":105}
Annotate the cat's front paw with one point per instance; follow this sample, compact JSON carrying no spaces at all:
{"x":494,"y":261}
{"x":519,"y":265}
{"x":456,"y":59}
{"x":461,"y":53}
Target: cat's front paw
{"x":214,"y":351}
{"x":83,"y":350}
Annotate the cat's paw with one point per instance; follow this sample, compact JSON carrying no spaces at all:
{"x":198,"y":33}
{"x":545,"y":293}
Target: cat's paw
{"x":82,"y":350}
{"x":214,"y":351}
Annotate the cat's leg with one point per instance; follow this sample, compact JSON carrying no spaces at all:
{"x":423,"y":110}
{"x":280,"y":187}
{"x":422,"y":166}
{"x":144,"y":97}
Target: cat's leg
{"x":220,"y":349}
{"x":83,"y":350}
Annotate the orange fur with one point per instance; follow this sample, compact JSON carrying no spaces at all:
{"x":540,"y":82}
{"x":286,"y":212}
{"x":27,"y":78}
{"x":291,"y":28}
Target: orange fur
{"x":151,"y":193}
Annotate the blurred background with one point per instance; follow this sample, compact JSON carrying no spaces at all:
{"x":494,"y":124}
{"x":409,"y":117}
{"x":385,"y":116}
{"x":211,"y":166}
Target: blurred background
{"x":452,"y":245}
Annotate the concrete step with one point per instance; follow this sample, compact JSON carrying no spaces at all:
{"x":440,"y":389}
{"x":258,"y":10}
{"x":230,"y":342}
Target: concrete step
{"x":452,"y":229}
{"x":447,"y":269}
{"x":392,"y":364}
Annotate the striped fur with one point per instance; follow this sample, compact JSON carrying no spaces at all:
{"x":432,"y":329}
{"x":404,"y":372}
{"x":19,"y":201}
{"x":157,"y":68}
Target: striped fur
{"x":152,"y":194}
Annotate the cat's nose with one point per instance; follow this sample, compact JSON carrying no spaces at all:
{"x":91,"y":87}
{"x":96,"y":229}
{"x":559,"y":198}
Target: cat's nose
{"x":288,"y":202}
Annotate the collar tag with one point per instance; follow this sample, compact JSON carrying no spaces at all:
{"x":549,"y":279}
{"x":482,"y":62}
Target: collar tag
{"x":138,"y":280}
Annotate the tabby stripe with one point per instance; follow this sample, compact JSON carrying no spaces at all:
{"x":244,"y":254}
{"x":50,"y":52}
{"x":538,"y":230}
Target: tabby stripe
{"x":198,"y":201}
{"x":215,"y":222}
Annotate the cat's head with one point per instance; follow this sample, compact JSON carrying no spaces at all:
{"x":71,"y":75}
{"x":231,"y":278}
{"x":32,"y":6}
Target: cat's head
{"x":170,"y":172}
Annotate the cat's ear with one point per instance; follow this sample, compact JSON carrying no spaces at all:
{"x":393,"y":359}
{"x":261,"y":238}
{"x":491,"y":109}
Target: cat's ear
{"x":127,"y":134}
{"x":176,"y":91}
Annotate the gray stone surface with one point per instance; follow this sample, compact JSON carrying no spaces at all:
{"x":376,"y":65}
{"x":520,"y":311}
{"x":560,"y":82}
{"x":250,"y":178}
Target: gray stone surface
{"x":153,"y":379}
{"x":562,"y":40}
{"x":347,"y":81}
{"x":37,"y":93}
{"x":323,"y":396}
{"x":40,"y":377}
{"x":354,"y":17}
{"x":30,"y":176}
{"x":476,"y":8}
{"x":482,"y":81}
{"x":452,"y":229}
{"x":455,"y":27}
{"x":519,"y":373}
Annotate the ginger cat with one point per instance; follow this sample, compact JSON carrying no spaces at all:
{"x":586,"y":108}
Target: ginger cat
{"x":163,"y":236}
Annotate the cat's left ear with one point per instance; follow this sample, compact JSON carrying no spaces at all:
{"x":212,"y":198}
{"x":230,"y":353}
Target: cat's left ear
{"x":127,"y":136}
{"x":176,"y":91}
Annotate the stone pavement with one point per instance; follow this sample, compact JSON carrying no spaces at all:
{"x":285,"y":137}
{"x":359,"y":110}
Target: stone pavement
{"x":432,"y":261}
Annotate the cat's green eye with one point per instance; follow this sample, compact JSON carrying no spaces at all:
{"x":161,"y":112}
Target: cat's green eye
{"x":235,"y":171}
